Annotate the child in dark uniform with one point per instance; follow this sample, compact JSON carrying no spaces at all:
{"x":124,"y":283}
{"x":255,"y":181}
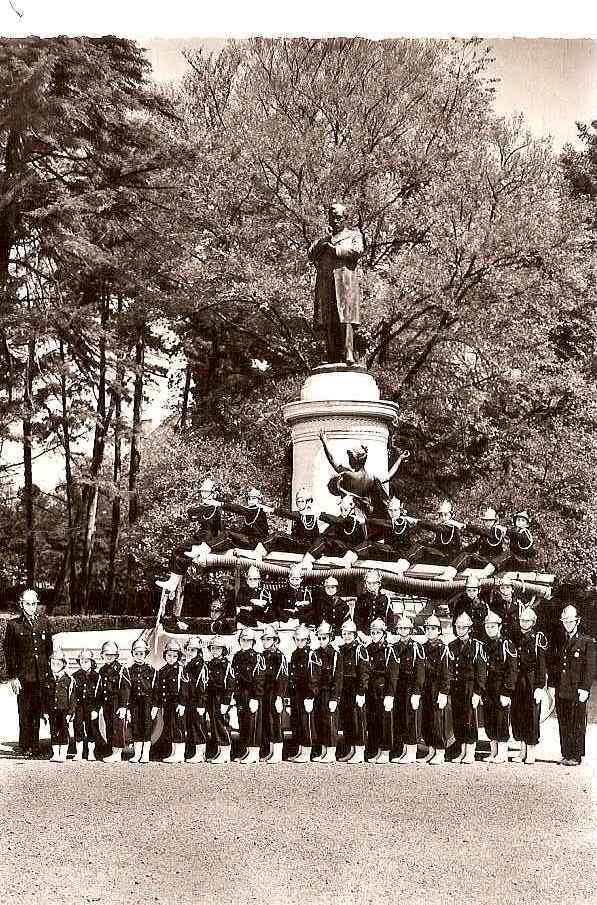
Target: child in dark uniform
{"x":142,"y":677}
{"x":59,"y":703}
{"x":85,"y":722}
{"x":112,"y":696}
{"x":170,"y":693}
{"x":218,"y":683}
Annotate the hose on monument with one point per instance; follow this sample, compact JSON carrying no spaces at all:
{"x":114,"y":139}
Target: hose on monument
{"x":415,"y":586}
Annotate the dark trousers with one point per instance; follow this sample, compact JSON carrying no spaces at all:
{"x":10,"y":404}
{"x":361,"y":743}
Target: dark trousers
{"x":140,"y":710}
{"x":434,"y":722}
{"x":58,"y":727}
{"x":86,"y":729}
{"x":496,"y":717}
{"x":407,"y":722}
{"x":353,"y":719}
{"x":115,"y":727}
{"x":463,"y":713}
{"x":29,"y":705}
{"x":525,"y":713}
{"x":303,"y":724}
{"x":249,"y":724}
{"x":196,"y":727}
{"x":425,"y":553}
{"x":220,"y":728}
{"x":174,"y":724}
{"x":326,"y":721}
{"x":380,"y":722}
{"x":474,"y":561}
{"x":271,"y":729}
{"x":572,"y":722}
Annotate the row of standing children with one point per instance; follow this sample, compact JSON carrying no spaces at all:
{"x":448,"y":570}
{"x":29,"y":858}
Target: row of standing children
{"x":385,"y":697}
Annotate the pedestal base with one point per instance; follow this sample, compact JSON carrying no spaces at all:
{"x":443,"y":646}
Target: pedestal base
{"x":345,"y":403}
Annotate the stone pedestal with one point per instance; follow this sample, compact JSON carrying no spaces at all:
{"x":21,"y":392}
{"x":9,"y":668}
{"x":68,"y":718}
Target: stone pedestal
{"x":345,"y":403}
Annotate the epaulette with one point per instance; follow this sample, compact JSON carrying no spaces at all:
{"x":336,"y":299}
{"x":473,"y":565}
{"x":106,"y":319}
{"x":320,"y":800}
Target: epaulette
{"x":479,"y":651}
{"x":509,"y":649}
{"x":313,"y":659}
{"x":362,"y":653}
{"x":418,"y":651}
{"x":390,"y":652}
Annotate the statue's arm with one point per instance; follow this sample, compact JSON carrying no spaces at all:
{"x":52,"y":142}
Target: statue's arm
{"x":335,"y":465}
{"x":350,"y":249}
{"x":317,"y":248}
{"x":392,"y":471}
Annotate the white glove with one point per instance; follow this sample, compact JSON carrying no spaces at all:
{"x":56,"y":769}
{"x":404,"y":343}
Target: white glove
{"x":121,"y":713}
{"x":278,"y":705}
{"x":223,"y":709}
{"x":154,"y":712}
{"x":16,"y":686}
{"x":70,"y":717}
{"x":505,"y":701}
{"x":253,"y":705}
{"x":201,"y":711}
{"x":360,"y":700}
{"x":415,"y":700}
{"x":333,"y":706}
{"x":308,"y":705}
{"x":94,"y":714}
{"x":388,"y":703}
{"x":583,"y":695}
{"x":538,"y":696}
{"x":475,"y":701}
{"x":180,"y":709}
{"x":442,"y":700}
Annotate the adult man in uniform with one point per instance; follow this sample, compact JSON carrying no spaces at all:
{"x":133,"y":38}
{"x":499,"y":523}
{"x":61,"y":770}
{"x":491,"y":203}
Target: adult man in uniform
{"x":571,"y":676}
{"x":27,"y":652}
{"x":337,"y":291}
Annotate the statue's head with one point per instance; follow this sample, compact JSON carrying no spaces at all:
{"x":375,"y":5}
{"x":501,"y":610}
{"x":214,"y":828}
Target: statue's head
{"x":357,"y":456}
{"x":337,"y":216}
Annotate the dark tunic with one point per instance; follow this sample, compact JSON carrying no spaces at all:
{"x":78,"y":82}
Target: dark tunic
{"x":502,"y":669}
{"x":410,"y":657}
{"x":59,"y":700}
{"x":171,"y":690}
{"x":571,"y":669}
{"x":27,"y":649}
{"x":383,"y":678}
{"x":275,"y":686}
{"x":438,"y":677}
{"x":469,"y":675}
{"x":369,"y":607}
{"x":525,"y":715}
{"x":304,"y":675}
{"x":142,"y":676}
{"x":85,"y":685}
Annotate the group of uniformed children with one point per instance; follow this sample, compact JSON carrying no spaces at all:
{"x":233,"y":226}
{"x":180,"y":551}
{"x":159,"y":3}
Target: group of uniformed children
{"x":385,"y":696}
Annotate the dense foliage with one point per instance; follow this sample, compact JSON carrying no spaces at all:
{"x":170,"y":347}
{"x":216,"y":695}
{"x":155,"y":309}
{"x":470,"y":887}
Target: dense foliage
{"x":148,"y":227}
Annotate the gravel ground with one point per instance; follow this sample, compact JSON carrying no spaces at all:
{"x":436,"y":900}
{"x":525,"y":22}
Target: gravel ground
{"x":93,"y":833}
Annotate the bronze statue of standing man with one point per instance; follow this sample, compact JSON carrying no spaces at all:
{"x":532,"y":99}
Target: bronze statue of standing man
{"x":337,"y":290}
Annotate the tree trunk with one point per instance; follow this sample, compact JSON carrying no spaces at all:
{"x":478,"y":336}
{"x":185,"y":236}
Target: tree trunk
{"x":28,"y":463}
{"x":185,"y":399}
{"x":135,"y":454}
{"x":68,"y":572}
{"x":116,"y":477}
{"x":91,"y":492}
